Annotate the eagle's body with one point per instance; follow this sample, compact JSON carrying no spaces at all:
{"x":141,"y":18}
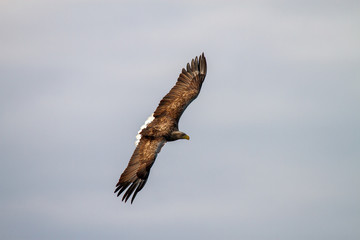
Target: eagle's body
{"x":161,"y":127}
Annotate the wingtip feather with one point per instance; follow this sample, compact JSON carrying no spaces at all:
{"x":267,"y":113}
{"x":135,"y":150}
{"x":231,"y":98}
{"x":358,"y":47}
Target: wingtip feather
{"x":188,"y":67}
{"x":202,"y":64}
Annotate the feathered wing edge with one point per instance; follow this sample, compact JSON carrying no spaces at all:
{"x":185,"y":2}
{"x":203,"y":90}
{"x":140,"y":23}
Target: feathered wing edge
{"x":197,"y":66}
{"x":134,"y":186}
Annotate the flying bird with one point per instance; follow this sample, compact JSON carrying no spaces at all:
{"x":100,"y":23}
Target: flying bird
{"x":161,"y":127}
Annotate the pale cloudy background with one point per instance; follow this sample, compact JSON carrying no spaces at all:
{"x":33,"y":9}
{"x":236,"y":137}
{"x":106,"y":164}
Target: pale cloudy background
{"x":275,"y":133}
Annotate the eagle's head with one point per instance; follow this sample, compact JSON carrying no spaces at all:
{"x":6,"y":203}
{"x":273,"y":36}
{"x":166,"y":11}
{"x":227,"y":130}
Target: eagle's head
{"x":176,"y":135}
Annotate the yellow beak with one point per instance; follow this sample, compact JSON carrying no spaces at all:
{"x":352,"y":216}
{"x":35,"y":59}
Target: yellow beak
{"x":187,"y":137}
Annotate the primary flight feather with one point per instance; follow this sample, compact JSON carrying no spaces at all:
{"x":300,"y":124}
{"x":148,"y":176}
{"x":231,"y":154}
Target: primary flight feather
{"x":161,"y":127}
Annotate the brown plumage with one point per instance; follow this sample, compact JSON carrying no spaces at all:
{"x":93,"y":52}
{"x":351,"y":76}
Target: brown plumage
{"x":161,"y":127}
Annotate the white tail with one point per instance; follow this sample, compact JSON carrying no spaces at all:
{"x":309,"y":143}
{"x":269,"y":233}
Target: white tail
{"x":147,"y":122}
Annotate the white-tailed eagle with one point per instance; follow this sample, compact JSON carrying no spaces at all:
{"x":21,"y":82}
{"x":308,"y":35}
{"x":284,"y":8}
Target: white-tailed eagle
{"x":161,"y":127}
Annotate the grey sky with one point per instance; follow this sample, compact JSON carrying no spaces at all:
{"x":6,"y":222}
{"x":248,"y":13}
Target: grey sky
{"x":275,"y":134}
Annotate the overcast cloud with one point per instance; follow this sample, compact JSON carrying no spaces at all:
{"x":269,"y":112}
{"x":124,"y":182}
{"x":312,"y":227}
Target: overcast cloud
{"x":275,"y":133}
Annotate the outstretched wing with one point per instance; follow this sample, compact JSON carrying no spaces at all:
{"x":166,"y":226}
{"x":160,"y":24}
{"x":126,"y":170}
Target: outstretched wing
{"x":186,"y":89}
{"x":137,"y":172}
